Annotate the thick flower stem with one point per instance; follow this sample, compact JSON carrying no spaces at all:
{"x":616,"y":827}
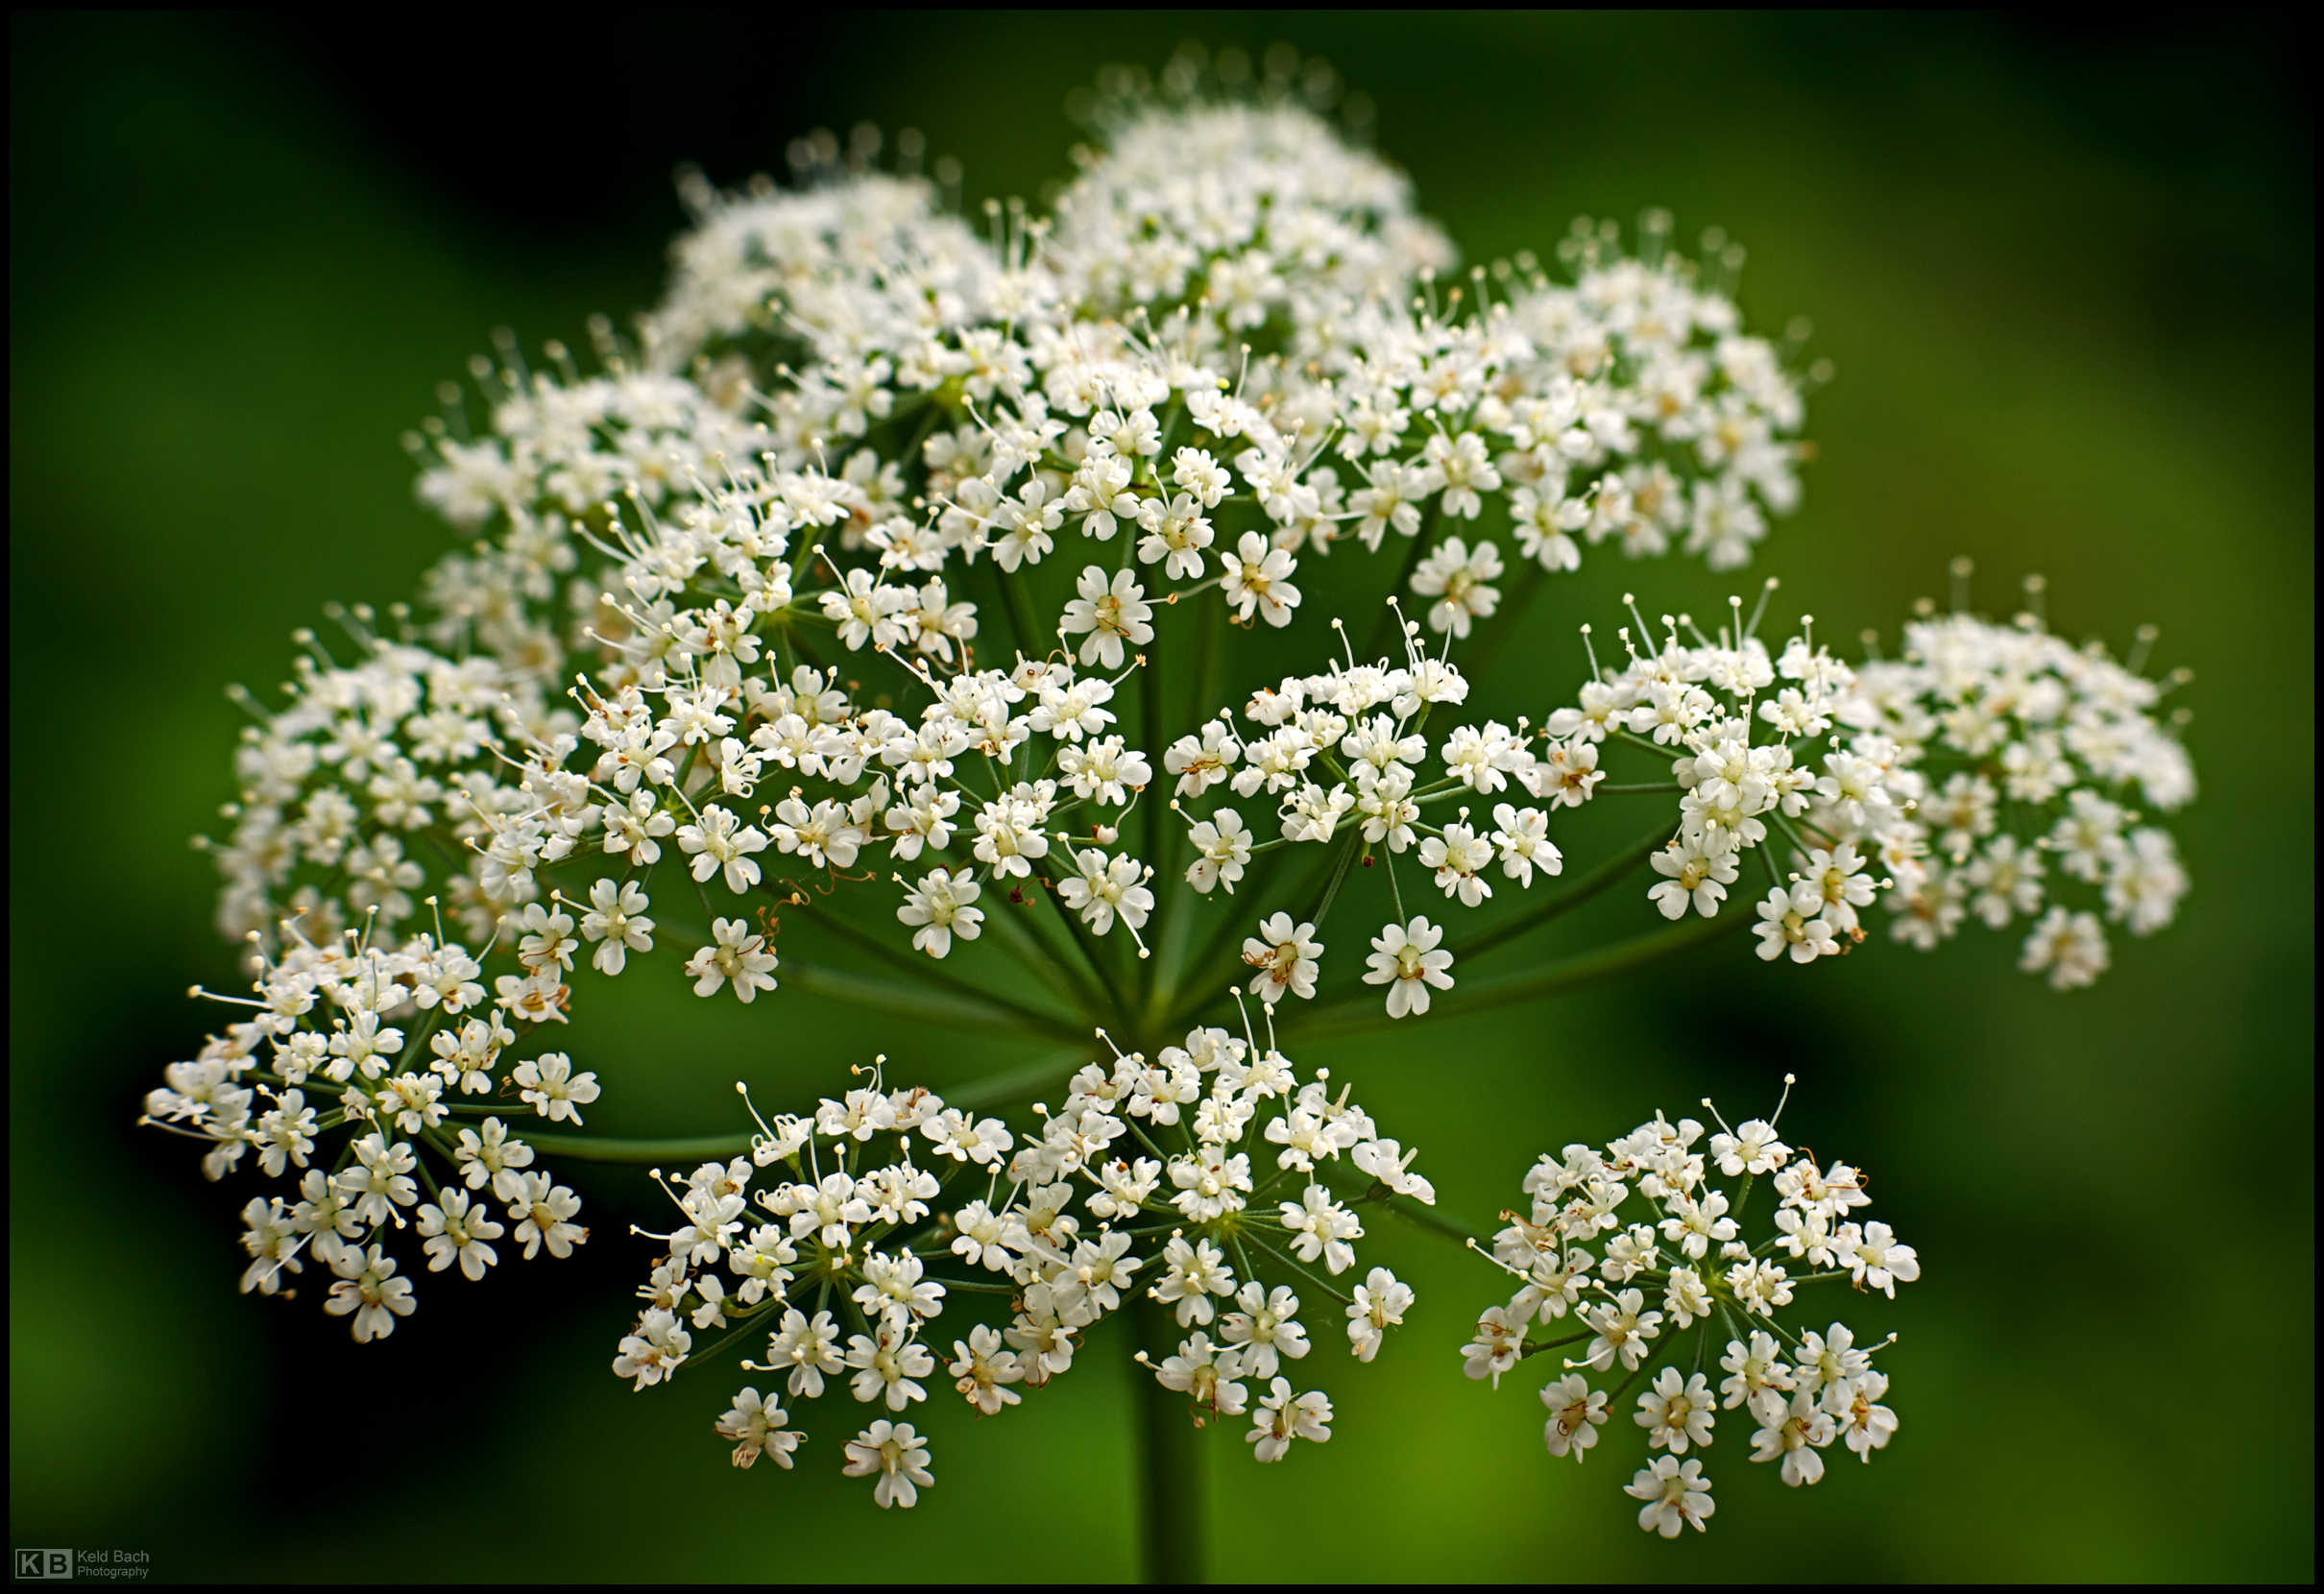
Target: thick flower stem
{"x":1170,"y":1479}
{"x":641,"y":1152}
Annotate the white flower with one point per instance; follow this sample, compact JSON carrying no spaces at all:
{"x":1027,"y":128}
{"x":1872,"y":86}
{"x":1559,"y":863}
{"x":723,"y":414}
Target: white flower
{"x":653,"y":1350}
{"x":1789,"y":921}
{"x":552,"y":1089}
{"x":1282,"y":1417}
{"x":1624,"y":1331}
{"x":2146,"y":880}
{"x":1794,"y":1431}
{"x":1198,"y":763}
{"x":1192,"y":1275}
{"x":1753,"y":1148}
{"x":1110,"y":614}
{"x":1677,"y":1412}
{"x":807,"y":1350}
{"x":1176,"y":532}
{"x":1406,"y":960}
{"x":983,"y":1368}
{"x":1676,"y":1494}
{"x":757,"y":1428}
{"x":1104,"y":888}
{"x":1392,"y":1165}
{"x":1379,"y":1304}
{"x":1695,"y":877}
{"x":367,"y":1286}
{"x":2071,"y":945}
{"x":542,"y":1212}
{"x":1105,"y":769}
{"x":1265,"y":1327}
{"x":717,"y":844}
{"x":736,"y":955}
{"x":616,"y":922}
{"x":897,"y":1455}
{"x":888,"y":1363}
{"x":941,"y":907}
{"x":1523,"y":837}
{"x":1867,"y":1426}
{"x":1258,"y":580}
{"x":1285,"y":956}
{"x":1457,"y":857}
{"x":1458,"y":578}
{"x":1322,"y":1227}
{"x":1207,"y":1374}
{"x":1576,"y":1412}
{"x":1499,"y":1343}
{"x":1225,"y":846}
{"x":1876,"y":1258}
{"x":1752,"y":1369}
{"x":1684,"y":1297}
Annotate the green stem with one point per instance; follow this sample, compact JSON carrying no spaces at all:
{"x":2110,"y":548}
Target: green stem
{"x":1405,"y":1207}
{"x":1083,"y":964}
{"x":1039,"y":960}
{"x":1522,"y":587}
{"x":1014,"y":598}
{"x":644,"y":1152}
{"x":919,"y":968}
{"x":1388,"y":624}
{"x":1149,"y":717}
{"x":1169,"y":1482}
{"x":927,"y":1006}
{"x":1015,"y":1084}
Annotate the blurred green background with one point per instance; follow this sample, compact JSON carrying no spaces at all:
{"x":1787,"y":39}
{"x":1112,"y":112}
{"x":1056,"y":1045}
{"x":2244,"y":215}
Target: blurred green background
{"x":2066,"y":281}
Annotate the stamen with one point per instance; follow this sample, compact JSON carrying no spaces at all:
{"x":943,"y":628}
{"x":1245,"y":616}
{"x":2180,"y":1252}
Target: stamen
{"x":1236,"y":991}
{"x":752,"y":1107}
{"x":1630,"y":602}
{"x":2142,"y":644}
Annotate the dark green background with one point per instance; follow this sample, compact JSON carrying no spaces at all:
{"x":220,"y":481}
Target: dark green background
{"x":2066,"y":281}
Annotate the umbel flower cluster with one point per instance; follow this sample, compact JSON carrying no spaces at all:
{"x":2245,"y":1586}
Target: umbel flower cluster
{"x":874,"y":594}
{"x":1632,"y":1259}
{"x":1208,"y":1178}
{"x":394,"y":1047}
{"x":1950,"y":778}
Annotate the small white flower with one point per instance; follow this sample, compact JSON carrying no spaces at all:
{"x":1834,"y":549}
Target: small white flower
{"x":1576,"y":1412}
{"x":897,"y":1455}
{"x":1406,"y":960}
{"x":737,"y":955}
{"x":941,"y":907}
{"x":1676,"y":1495}
{"x":757,"y":1428}
{"x":1282,"y":1417}
{"x":1285,"y":956}
{"x":552,"y":1089}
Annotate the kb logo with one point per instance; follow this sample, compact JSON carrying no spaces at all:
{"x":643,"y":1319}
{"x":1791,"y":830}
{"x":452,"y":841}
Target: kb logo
{"x":40,"y":1566}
